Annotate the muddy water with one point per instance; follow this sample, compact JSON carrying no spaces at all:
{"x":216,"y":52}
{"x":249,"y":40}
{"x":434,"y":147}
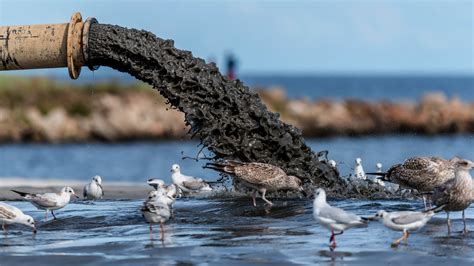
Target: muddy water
{"x":230,"y":231}
{"x":228,"y":118}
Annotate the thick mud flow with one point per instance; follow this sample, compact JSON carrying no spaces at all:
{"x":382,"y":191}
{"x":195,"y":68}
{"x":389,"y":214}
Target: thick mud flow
{"x":228,"y":118}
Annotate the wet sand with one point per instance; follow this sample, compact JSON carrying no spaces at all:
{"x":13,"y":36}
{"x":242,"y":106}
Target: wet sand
{"x":113,"y":190}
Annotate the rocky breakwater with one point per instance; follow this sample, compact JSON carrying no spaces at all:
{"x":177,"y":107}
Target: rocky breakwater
{"x":433,"y":114}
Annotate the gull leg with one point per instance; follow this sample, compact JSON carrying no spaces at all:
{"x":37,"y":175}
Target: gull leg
{"x":46,"y":216}
{"x":464,"y":231}
{"x":332,"y":236}
{"x":162,"y":230}
{"x":52,"y":213}
{"x":254,"y":195}
{"x":265,"y":199}
{"x":4,"y":229}
{"x":430,"y":206}
{"x":151,"y":231}
{"x":332,"y":241}
{"x":449,"y":223}
{"x":406,"y":239}
{"x":396,"y":243}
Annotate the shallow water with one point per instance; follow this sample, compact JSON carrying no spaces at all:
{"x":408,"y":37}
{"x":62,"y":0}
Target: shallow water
{"x":215,"y":231}
{"x":230,"y":231}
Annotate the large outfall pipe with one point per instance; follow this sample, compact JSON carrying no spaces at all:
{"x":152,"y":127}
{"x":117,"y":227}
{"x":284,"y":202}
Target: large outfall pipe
{"x":46,"y":45}
{"x":228,"y":118}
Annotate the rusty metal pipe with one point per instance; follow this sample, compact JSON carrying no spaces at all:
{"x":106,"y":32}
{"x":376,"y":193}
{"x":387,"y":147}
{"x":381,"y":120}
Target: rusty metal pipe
{"x":46,"y":45}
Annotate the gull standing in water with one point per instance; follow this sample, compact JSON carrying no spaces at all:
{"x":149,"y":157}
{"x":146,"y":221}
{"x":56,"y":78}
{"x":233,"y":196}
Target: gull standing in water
{"x":260,"y":177}
{"x":188,"y":184}
{"x":94,"y":190}
{"x":421,"y":173}
{"x":49,"y":201}
{"x":405,"y":221}
{"x":457,"y":193}
{"x":156,"y":210}
{"x":10,"y":214}
{"x":332,"y":218}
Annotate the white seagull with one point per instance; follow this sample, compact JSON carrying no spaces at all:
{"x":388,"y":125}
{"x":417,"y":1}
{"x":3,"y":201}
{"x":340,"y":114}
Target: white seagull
{"x":332,"y":218}
{"x":156,"y":210}
{"x":49,"y":201}
{"x":359,"y":170}
{"x":10,"y":214}
{"x":172,"y":191}
{"x":405,"y":221}
{"x":188,"y":183}
{"x":94,"y":190}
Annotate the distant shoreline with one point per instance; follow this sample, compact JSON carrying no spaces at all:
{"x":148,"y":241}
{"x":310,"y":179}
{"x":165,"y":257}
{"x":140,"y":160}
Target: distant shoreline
{"x":37,"y":110}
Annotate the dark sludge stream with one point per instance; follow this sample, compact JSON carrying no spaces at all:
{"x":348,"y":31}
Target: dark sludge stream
{"x":226,"y":116}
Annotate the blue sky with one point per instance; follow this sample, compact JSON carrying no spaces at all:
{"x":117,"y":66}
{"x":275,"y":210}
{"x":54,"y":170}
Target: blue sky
{"x":404,"y":36}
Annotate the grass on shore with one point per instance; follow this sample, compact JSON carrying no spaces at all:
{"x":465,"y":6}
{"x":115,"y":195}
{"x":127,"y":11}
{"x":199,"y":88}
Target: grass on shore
{"x":46,"y":94}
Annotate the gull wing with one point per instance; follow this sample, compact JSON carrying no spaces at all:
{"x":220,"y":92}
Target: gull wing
{"x":409,"y":217}
{"x":85,"y":191}
{"x":6,"y":212}
{"x":157,"y":208}
{"x":421,"y":172}
{"x":259,"y":173}
{"x":45,"y":200}
{"x":194,"y":184}
{"x":339,"y":215}
{"x":101,"y":189}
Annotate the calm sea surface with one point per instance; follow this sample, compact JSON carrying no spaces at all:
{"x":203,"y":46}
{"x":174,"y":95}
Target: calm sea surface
{"x":370,"y":88}
{"x":137,"y":161}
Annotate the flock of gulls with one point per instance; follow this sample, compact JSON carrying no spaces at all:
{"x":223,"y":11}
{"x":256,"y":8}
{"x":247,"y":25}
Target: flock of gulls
{"x":446,"y":185}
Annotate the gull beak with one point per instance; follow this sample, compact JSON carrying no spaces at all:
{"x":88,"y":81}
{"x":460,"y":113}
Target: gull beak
{"x":76,"y":195}
{"x":34,"y":230}
{"x":371,"y":218}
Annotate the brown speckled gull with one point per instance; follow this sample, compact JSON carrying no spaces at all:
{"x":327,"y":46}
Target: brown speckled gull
{"x":456,"y":194}
{"x":261,"y":177}
{"x":421,"y":173}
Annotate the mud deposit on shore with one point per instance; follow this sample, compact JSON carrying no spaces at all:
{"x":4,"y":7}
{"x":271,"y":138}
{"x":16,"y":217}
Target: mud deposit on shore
{"x":230,"y":232}
{"x":228,"y":118}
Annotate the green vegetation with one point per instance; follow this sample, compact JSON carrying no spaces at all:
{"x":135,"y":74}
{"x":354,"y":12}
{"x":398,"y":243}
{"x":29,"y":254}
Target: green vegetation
{"x":46,"y":94}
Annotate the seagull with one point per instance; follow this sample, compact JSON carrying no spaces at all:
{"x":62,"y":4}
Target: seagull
{"x":456,"y":194}
{"x":421,"y":173}
{"x":405,"y":221}
{"x":10,"y":214}
{"x":332,"y":163}
{"x":186,"y":183}
{"x":49,"y":201}
{"x":93,"y":190}
{"x":156,"y":210}
{"x":332,"y":218}
{"x":156,"y":183}
{"x":359,"y":170}
{"x":260,"y":177}
{"x":378,"y":166}
{"x":171,"y":190}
